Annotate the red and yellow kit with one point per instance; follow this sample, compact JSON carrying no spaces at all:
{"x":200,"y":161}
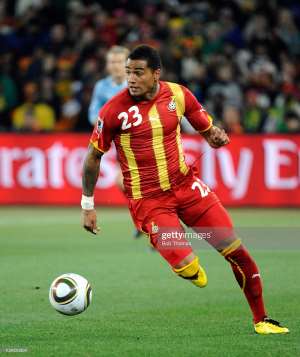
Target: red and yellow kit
{"x":161,"y":189}
{"x":147,"y":137}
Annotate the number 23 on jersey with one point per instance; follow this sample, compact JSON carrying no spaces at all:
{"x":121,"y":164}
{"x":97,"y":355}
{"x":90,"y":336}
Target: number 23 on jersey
{"x":124,"y":116}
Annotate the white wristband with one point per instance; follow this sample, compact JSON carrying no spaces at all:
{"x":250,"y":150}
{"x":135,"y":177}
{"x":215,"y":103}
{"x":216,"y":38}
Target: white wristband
{"x":87,"y":202}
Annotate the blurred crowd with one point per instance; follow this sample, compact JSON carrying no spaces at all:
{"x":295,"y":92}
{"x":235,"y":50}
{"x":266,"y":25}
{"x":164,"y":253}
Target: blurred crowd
{"x":241,"y":58}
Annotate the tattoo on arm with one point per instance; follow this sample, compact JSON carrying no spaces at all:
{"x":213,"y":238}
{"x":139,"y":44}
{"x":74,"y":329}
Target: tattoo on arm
{"x":90,"y":171}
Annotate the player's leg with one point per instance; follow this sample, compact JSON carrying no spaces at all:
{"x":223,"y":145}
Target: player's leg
{"x":158,"y":219}
{"x":201,"y":209}
{"x":190,"y":269}
{"x":243,"y":265}
{"x":169,"y":241}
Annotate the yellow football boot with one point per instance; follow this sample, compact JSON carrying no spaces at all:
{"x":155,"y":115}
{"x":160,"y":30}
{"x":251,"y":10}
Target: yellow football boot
{"x":269,"y":326}
{"x":194,"y":273}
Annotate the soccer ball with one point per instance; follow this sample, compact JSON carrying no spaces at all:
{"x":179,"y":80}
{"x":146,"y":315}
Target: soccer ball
{"x":70,"y":294}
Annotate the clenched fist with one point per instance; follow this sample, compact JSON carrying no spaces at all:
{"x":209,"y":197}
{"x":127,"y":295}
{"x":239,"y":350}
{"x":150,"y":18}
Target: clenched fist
{"x":216,"y":137}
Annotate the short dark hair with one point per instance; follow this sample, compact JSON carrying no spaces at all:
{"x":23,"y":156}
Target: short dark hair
{"x":148,"y":54}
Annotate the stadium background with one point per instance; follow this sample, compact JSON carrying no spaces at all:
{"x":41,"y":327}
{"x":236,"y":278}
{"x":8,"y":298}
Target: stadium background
{"x":241,"y":59}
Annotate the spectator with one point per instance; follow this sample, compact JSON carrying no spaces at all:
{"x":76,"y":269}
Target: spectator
{"x":111,"y":85}
{"x":8,"y":98}
{"x":292,"y":122}
{"x":69,"y":116}
{"x":240,"y":58}
{"x":33,"y":115}
{"x":288,"y":32}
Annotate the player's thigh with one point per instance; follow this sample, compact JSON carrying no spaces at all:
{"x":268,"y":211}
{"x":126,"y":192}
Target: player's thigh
{"x":216,"y":227}
{"x":159,"y":220}
{"x":194,"y":199}
{"x":149,"y":214}
{"x":167,"y":236}
{"x":203,"y":212}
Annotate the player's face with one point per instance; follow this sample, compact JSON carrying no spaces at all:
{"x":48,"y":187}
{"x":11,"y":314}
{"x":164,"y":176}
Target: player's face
{"x":140,"y":78}
{"x":115,"y":65}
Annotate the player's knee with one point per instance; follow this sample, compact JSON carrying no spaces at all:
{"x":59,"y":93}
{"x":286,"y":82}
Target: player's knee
{"x":230,"y":248}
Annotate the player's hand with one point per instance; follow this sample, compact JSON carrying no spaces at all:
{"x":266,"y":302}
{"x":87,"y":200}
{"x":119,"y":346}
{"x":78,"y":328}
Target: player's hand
{"x":216,"y":137}
{"x":89,"y":221}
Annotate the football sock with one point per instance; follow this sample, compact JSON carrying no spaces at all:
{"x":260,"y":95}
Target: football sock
{"x":247,"y":275}
{"x":193,"y":272}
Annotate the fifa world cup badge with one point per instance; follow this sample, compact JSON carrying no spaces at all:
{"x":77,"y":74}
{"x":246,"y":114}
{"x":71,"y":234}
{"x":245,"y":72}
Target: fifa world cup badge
{"x":99,"y":126}
{"x":172,"y":105}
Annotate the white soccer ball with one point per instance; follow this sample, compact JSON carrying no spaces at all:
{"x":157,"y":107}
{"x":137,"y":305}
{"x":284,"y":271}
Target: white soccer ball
{"x":70,"y":294}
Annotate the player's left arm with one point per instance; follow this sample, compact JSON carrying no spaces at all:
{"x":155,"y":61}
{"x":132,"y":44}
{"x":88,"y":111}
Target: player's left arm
{"x":216,"y":137}
{"x":203,"y":122}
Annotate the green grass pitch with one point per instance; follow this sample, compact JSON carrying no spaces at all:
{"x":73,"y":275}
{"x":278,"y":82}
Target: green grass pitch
{"x":139,"y":307}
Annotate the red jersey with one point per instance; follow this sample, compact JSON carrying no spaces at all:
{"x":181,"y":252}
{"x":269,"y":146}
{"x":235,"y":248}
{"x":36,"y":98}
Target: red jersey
{"x":147,"y":137}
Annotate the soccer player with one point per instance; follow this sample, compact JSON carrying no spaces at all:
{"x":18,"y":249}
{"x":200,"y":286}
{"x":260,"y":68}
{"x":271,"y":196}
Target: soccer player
{"x":144,"y":123}
{"x":109,"y":86}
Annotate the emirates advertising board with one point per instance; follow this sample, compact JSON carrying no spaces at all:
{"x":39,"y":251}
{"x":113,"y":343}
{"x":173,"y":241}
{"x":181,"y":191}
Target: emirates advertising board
{"x":253,"y":170}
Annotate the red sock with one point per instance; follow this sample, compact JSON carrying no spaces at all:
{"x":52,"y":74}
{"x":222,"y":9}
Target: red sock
{"x":248,"y":278}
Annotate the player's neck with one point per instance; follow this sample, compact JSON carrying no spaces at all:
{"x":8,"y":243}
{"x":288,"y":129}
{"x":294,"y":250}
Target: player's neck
{"x":149,"y":95}
{"x":154,"y":90}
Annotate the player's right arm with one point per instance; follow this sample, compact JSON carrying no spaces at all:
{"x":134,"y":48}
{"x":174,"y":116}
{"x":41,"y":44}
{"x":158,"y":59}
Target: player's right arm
{"x":104,"y":132}
{"x":90,"y":173}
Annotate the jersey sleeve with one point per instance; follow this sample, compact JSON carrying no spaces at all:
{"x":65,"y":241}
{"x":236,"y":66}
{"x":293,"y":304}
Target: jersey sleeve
{"x":195,"y":113}
{"x":105,"y":129}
